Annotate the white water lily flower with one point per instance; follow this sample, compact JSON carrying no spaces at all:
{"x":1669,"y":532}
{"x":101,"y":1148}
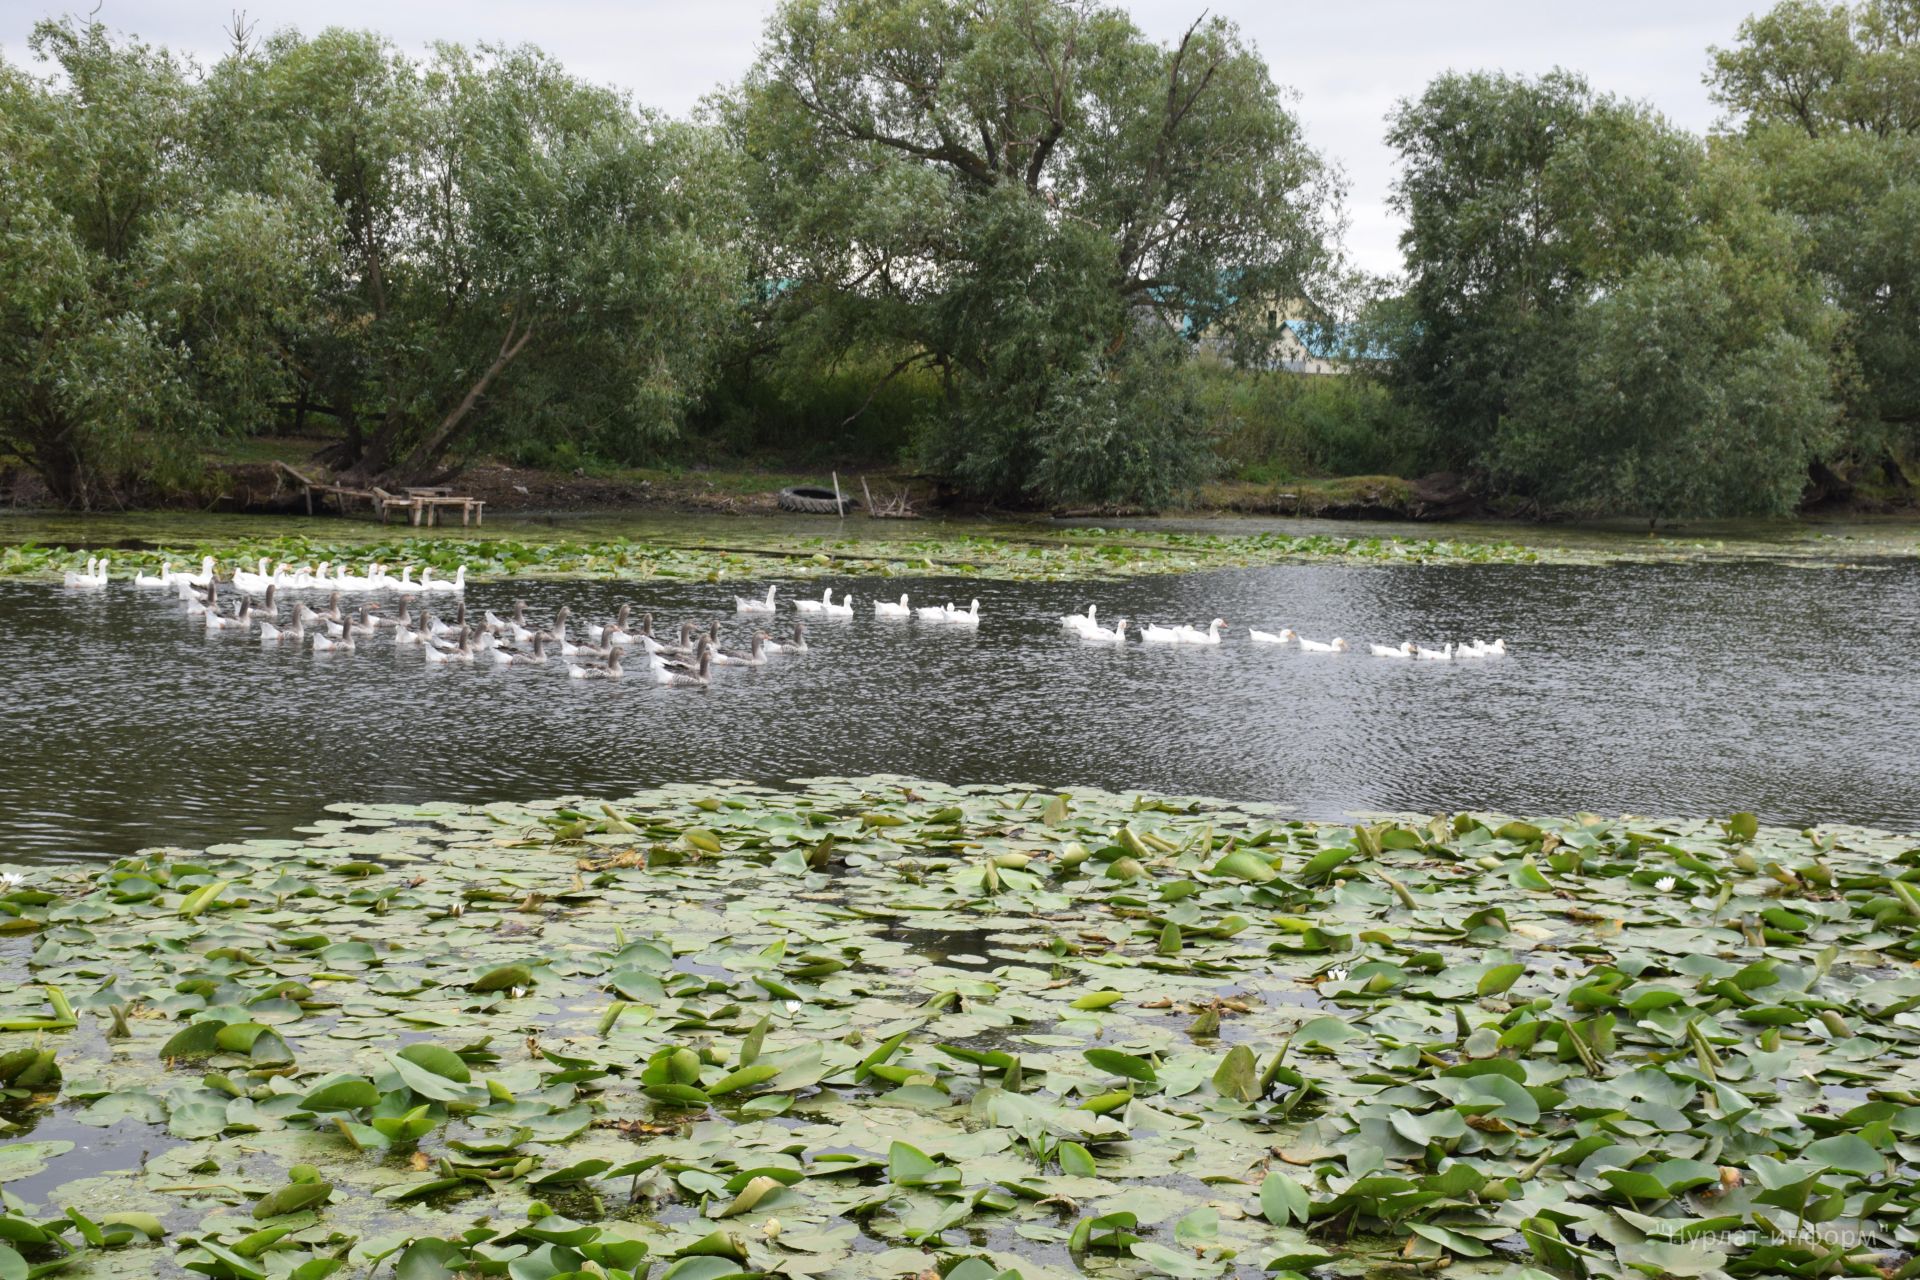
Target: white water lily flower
{"x":1337,"y":974}
{"x":1665,"y":884}
{"x":518,"y":992}
{"x":772,"y":1228}
{"x":793,"y":1006}
{"x":11,"y":880}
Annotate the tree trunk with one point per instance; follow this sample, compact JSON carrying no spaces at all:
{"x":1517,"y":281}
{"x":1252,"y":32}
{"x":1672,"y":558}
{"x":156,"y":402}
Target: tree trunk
{"x":428,"y":452}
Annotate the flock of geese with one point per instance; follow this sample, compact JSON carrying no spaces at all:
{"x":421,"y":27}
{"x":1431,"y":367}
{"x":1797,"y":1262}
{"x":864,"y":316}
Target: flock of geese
{"x":249,"y":600}
{"x":602,"y":650}
{"x":1088,"y":627}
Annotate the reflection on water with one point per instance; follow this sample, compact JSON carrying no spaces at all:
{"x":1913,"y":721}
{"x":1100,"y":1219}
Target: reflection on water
{"x":1661,"y":689}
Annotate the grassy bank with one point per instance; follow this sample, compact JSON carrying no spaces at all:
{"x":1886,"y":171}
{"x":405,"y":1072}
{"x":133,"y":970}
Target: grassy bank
{"x":881,"y":1027}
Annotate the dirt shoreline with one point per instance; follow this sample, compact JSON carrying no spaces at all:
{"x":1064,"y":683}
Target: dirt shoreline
{"x":264,"y":487}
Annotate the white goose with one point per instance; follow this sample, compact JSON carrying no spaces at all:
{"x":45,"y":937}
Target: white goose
{"x":1083,"y":623}
{"x":1481,"y":649}
{"x":1442,"y":654}
{"x":94,"y":575}
{"x":888,"y":609}
{"x":199,"y":579}
{"x":1191,"y":635}
{"x":1286,"y":635}
{"x":1102,"y":635}
{"x":1335,"y":645}
{"x":1405,"y":649}
{"x":1153,"y":633}
{"x":933,"y":612}
{"x":842,"y":610}
{"x":742,"y":604}
{"x":148,"y":580}
{"x":430,"y":583}
{"x":964,"y":617}
{"x":351,"y":581}
{"x":815,"y":606}
{"x":251,"y":582}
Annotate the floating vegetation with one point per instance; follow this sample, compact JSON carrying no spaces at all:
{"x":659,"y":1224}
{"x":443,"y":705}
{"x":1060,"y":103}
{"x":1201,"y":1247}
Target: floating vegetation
{"x":747,"y":548}
{"x":878,"y":1027}
{"x":983,"y":556}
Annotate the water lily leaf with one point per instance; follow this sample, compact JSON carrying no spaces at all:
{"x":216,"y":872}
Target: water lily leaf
{"x":1243,"y":864}
{"x":1452,"y":1241}
{"x":430,"y":1259}
{"x":341,"y":1092}
{"x":759,"y":1189}
{"x":505,"y":978}
{"x":1322,"y":864}
{"x":1498,"y":979}
{"x":1525,"y":875}
{"x":745,"y":1078}
{"x":292,"y":1198}
{"x":1430,"y":1127}
{"x":1099,"y":1000}
{"x":1238,"y":1075}
{"x":1496,"y":1094}
{"x":1282,"y":1200}
{"x":24,"y":1159}
{"x":1179,"y":1266}
{"x":442,"y":1062}
{"x":1127,"y":1065}
{"x":1848,"y":1153}
{"x":717,"y":1244}
{"x":908,"y":1166}
{"x":1325,"y":1031}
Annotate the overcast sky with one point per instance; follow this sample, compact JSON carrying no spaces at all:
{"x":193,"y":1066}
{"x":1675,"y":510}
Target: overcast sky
{"x":1350,"y":61}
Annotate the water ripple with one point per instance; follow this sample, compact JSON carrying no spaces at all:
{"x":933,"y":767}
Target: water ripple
{"x":1668,"y":689}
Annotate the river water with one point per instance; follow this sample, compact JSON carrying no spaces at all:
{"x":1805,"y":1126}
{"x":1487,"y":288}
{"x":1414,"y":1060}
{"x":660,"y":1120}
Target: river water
{"x":1673,"y":689}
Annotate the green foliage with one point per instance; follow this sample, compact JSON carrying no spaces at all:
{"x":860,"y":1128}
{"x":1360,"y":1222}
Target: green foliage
{"x":1672,"y":399}
{"x":1603,"y":315}
{"x":136,"y":294}
{"x":1829,"y":103}
{"x":518,"y":255}
{"x":1276,"y":426}
{"x":856,"y":408}
{"x":1020,"y":194}
{"x":473,"y":248}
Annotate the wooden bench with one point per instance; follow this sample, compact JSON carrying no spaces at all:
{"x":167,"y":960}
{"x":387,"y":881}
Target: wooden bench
{"x":422,"y":503}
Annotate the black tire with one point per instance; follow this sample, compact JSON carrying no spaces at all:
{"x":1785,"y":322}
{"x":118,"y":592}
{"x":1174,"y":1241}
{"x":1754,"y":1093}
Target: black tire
{"x":819,"y":502}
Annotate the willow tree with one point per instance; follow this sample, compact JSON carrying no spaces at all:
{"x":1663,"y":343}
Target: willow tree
{"x":1601,"y":313}
{"x":138,"y":294}
{"x":1826,"y":99}
{"x":517,"y":253}
{"x":1040,"y":202}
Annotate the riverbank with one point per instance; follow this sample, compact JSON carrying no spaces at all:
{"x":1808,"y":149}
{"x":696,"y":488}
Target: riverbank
{"x":877,"y":1027}
{"x":246,"y":476}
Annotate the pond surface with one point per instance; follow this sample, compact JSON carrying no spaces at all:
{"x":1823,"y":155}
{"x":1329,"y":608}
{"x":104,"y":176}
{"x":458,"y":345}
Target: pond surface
{"x":1677,"y":689}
